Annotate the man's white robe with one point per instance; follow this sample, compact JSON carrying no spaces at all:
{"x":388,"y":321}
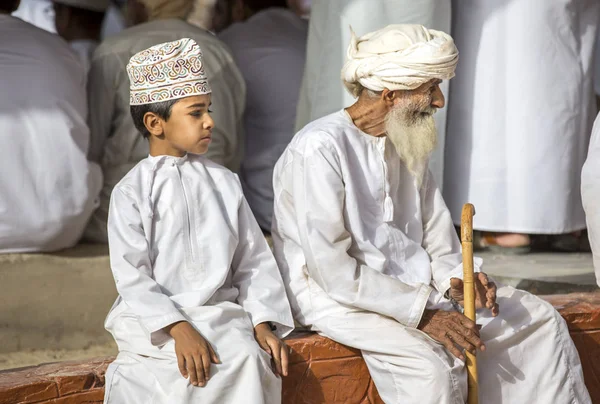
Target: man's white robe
{"x":115,"y":142}
{"x":270,"y":50}
{"x":184,"y":246}
{"x":328,"y":39}
{"x":590,"y":194}
{"x":48,"y":188}
{"x":519,"y":128}
{"x":364,"y":252}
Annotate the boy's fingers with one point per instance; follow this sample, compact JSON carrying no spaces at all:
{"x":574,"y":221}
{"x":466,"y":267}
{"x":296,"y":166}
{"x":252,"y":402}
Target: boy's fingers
{"x":277,"y":358}
{"x":206,"y":365}
{"x":284,"y":358}
{"x":181,"y":365}
{"x":191,"y":369}
{"x":199,"y":371}
{"x":483,"y":279}
{"x":264,"y":344}
{"x":213,"y":356}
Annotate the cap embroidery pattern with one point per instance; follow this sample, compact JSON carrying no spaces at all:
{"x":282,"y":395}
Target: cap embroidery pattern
{"x":167,"y":71}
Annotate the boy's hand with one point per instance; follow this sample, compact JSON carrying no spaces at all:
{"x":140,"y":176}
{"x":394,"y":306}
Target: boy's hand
{"x":274,"y":347}
{"x":194,"y":353}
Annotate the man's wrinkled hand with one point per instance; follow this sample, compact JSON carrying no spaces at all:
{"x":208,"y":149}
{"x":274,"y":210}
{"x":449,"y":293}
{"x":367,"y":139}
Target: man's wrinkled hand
{"x":485,"y":292}
{"x":452,"y":329}
{"x":194,"y":353}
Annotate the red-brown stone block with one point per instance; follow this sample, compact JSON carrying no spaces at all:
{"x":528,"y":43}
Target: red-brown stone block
{"x":321,"y":371}
{"x":582,"y":313}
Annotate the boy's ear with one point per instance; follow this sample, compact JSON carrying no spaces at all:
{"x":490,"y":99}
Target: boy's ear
{"x":153,"y":123}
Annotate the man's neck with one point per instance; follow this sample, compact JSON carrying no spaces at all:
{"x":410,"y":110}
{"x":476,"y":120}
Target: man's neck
{"x":368,"y":118}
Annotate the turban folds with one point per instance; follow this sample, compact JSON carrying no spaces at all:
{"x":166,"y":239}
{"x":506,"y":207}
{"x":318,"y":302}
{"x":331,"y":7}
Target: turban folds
{"x":398,"y":57}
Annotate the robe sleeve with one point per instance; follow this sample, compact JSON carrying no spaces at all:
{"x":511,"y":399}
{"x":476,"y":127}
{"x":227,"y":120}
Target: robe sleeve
{"x":132,"y":268}
{"x":319,"y":198}
{"x":257,"y":277}
{"x":439,"y":237}
{"x":101,"y":89}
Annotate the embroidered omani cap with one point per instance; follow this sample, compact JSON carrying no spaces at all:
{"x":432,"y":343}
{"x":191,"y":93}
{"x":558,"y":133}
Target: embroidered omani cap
{"x":167,"y":71}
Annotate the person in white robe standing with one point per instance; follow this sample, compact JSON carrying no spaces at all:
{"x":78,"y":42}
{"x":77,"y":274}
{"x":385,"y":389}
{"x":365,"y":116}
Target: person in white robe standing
{"x":518,"y":133}
{"x":328,"y":35}
{"x":269,"y":46}
{"x":116,"y":143}
{"x":369,"y":254}
{"x":590,"y":194}
{"x":48,"y":188}
{"x":199,"y":290}
{"x":80,"y":23}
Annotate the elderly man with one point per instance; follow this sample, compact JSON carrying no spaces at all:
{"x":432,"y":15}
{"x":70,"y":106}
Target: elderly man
{"x":370,"y":256}
{"x":116,"y":143}
{"x":328,"y":35}
{"x":48,"y":189}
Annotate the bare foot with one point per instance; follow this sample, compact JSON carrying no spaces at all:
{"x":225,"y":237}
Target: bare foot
{"x":510,"y":240}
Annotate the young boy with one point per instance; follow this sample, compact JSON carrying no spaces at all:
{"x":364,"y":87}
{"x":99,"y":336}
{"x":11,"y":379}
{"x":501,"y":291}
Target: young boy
{"x":199,"y":289}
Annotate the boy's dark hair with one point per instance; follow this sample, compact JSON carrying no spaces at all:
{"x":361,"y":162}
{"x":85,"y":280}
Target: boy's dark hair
{"x":162,"y":109}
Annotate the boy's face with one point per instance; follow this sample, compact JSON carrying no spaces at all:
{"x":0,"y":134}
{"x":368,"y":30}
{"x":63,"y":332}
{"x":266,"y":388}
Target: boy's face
{"x":188,"y":129}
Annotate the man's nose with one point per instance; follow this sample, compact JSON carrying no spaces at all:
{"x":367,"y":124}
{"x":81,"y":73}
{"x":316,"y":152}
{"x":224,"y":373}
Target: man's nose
{"x":437,"y":98}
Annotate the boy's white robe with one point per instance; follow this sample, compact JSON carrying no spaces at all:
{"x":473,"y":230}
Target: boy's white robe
{"x":363,"y":252}
{"x":185,"y":246}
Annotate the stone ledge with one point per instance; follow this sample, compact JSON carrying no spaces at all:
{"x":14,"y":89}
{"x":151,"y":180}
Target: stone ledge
{"x":321,"y":371}
{"x":64,"y":383}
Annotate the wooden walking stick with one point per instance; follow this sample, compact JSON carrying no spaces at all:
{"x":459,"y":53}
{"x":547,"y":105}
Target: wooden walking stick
{"x":466,"y":232}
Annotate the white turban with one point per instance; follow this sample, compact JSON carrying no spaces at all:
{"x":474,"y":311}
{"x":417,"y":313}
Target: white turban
{"x":398,"y":57}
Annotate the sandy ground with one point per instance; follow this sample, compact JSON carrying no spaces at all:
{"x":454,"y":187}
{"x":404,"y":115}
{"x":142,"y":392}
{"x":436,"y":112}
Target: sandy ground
{"x":36,"y":357}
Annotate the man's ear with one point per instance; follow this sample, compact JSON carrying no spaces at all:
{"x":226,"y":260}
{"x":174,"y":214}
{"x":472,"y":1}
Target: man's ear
{"x":154,"y":124}
{"x":389,"y":97}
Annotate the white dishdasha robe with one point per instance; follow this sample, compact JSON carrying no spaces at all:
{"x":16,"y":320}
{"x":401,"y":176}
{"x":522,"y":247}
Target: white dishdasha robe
{"x":48,"y":188}
{"x":521,"y":112}
{"x":590,"y":194}
{"x":363,"y":252}
{"x":184,"y":246}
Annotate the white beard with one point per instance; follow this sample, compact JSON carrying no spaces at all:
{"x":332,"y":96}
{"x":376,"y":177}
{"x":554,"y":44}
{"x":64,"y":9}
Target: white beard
{"x":412,"y":131}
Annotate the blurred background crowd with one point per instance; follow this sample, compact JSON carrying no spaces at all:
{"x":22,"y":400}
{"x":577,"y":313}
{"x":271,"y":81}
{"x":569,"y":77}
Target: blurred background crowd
{"x":512,"y":139}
